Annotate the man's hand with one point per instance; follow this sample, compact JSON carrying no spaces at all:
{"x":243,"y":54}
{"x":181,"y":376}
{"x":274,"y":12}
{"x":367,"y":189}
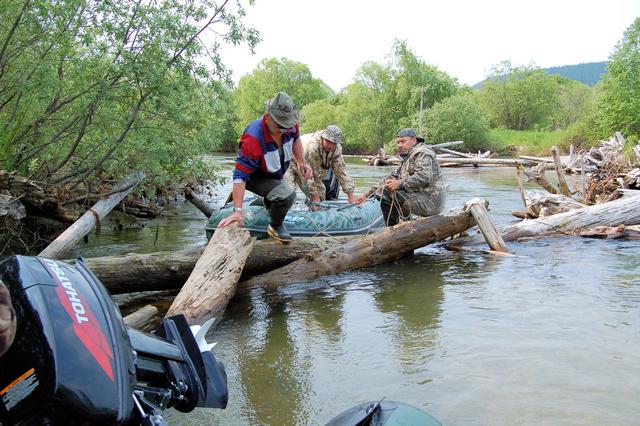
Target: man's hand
{"x":235,"y":217}
{"x":351,"y":198}
{"x":307,"y":173}
{"x":313,"y":207}
{"x":361,"y":199}
{"x":392,"y":184}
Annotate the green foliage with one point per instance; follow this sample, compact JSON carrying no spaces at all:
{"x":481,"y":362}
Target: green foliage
{"x":90,"y":86}
{"x":272,"y":76}
{"x":384,"y":98}
{"x":318,"y":115}
{"x":528,"y":142}
{"x":458,"y":118}
{"x":520,"y":98}
{"x":619,"y":104}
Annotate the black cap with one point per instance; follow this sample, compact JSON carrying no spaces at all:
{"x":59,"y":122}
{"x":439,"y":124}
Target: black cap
{"x":408,"y":133}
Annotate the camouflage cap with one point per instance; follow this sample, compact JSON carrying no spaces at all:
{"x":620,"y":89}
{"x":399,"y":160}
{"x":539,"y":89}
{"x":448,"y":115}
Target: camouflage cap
{"x":282,"y":109}
{"x":333,"y":134}
{"x":408,"y":133}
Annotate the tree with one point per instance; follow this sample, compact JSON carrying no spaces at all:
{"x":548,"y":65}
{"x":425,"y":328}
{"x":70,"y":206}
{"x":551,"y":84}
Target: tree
{"x":519,"y":98}
{"x":384,"y":97}
{"x":89,"y":86}
{"x":272,"y":76}
{"x":458,"y":117}
{"x":619,"y":103}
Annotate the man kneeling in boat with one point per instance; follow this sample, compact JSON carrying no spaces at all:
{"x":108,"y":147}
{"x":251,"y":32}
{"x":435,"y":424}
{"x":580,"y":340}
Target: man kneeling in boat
{"x":416,"y":187}
{"x":322,"y":152}
{"x":266,"y":148}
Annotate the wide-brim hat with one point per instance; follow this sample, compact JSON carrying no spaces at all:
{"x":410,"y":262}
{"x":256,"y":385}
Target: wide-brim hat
{"x":282,"y":110}
{"x":408,"y":133}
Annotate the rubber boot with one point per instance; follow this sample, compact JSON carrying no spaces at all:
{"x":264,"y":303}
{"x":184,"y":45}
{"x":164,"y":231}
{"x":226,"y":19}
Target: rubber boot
{"x":391,"y":209}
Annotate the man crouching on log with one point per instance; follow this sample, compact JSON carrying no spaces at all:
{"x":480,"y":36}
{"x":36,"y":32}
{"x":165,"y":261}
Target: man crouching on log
{"x":266,"y":148}
{"x":416,"y":187}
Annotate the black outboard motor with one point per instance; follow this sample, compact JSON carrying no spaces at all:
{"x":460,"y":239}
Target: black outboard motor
{"x":73,"y":361}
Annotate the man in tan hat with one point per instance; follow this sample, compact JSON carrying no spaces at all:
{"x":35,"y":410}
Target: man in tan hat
{"x":416,"y":187}
{"x":267,"y":146}
{"x":322,"y":152}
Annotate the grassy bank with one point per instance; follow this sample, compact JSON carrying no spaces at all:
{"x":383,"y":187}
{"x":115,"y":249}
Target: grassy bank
{"x":528,"y":142}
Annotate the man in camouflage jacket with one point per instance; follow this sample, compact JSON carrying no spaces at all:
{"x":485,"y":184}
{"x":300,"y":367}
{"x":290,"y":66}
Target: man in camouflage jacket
{"x":322,"y":151}
{"x":416,"y":187}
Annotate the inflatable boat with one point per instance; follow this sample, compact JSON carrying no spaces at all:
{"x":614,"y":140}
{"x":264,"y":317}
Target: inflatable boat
{"x":334,"y":218}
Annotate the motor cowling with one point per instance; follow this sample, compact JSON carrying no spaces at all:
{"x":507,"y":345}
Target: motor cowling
{"x":71,"y":353}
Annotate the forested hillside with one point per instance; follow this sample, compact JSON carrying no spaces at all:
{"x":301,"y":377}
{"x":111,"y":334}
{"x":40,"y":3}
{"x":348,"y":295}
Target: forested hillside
{"x":588,"y":73}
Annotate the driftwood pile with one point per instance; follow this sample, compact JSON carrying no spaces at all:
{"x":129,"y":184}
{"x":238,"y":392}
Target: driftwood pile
{"x":446,"y":157}
{"x":593,"y":209}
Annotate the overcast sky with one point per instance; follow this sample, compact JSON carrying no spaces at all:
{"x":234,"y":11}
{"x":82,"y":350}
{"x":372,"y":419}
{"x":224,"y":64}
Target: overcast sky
{"x":462,"y":38}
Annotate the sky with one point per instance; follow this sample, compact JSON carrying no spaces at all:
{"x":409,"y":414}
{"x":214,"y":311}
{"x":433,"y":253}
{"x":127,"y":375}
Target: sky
{"x":463,"y":38}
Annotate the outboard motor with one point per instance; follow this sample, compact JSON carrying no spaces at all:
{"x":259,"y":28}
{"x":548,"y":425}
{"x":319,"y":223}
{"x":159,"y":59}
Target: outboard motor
{"x":73,"y":361}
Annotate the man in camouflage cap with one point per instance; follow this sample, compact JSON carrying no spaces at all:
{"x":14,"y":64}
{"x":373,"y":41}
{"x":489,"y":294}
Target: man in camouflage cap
{"x":322,"y":152}
{"x":7,"y":320}
{"x":416,"y":187}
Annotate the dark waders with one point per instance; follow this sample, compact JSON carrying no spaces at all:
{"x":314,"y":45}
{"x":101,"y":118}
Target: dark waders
{"x":278,"y":197}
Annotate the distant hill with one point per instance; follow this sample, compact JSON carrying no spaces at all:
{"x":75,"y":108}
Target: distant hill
{"x":588,"y":73}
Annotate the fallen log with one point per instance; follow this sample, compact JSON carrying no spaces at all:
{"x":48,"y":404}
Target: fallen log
{"x":621,"y":232}
{"x":389,"y":244}
{"x":214,"y":278}
{"x":140,"y":317}
{"x":624,"y":211}
{"x":88,"y":220}
{"x":487,"y":161}
{"x":488,"y":229}
{"x":197,"y":200}
{"x":12,"y":207}
{"x":543,"y":204}
{"x":169,"y":270}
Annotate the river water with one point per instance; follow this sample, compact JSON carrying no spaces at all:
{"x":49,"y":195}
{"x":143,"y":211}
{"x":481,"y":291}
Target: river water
{"x":551,"y":336}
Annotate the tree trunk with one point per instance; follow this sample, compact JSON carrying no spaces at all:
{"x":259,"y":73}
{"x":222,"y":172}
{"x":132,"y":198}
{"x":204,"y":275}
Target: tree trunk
{"x":88,"y":220}
{"x":214,"y":278}
{"x":380,"y":247}
{"x":169,"y":270}
{"x":486,"y":161}
{"x":625,"y":211}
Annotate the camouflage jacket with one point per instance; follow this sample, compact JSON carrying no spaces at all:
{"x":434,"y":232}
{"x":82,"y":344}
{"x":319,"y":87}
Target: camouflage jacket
{"x":422,"y":182}
{"x":320,"y":162}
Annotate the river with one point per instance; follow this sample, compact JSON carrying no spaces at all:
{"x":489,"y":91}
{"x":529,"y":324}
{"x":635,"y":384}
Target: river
{"x":550,"y":336}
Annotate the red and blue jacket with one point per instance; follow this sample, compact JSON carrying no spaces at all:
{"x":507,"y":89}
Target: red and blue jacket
{"x":259,"y":151}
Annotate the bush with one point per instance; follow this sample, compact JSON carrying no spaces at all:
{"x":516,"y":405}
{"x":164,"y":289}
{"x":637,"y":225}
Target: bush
{"x":458,"y":117}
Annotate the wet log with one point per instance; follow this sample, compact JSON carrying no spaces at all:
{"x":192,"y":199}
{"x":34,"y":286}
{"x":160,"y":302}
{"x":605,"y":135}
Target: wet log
{"x":486,"y":225}
{"x":169,"y":270}
{"x":543,"y":204}
{"x":197,"y":200}
{"x":140,"y":317}
{"x":214,"y":278}
{"x":621,"y":232}
{"x":562,"y":183}
{"x":384,"y":246}
{"x":12,"y":181}
{"x":624,"y":211}
{"x":89,"y":219}
{"x":536,"y":174}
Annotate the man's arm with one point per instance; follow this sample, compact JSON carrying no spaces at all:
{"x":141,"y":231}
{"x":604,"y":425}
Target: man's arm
{"x":238,"y":198}
{"x":298,"y":154}
{"x":340,"y":169}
